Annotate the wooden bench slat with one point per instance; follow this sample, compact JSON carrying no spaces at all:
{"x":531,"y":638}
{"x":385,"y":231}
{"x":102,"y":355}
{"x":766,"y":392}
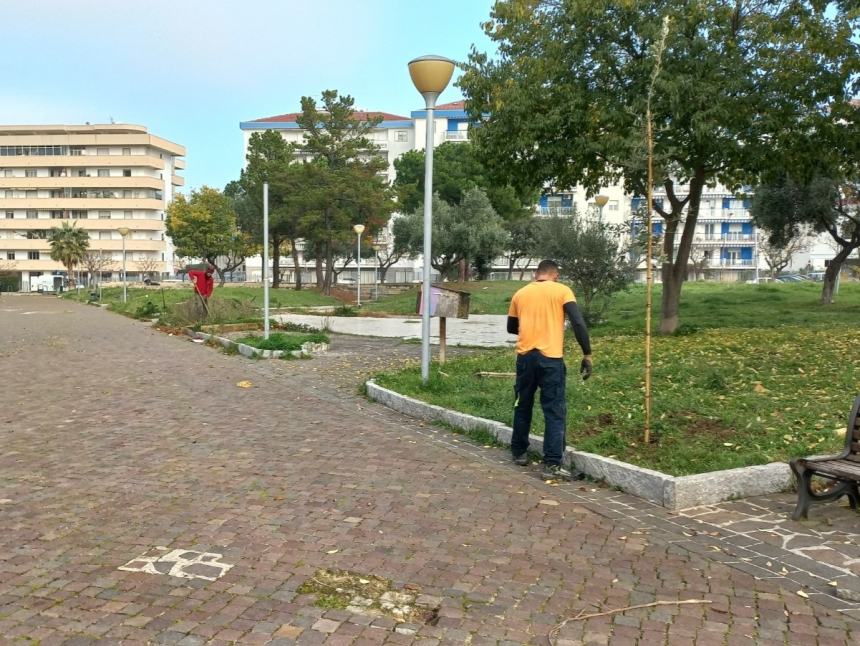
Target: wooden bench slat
{"x":838,"y":468}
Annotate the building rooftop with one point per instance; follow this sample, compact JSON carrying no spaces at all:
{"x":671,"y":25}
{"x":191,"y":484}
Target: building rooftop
{"x":359,"y":115}
{"x":85,"y":129}
{"x":454,"y":105}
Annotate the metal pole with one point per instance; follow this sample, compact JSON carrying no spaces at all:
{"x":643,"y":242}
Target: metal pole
{"x":358,"y":280}
{"x":124,"y":290}
{"x":265,"y":260}
{"x":376,"y":273}
{"x":430,"y":99}
{"x":756,"y":256}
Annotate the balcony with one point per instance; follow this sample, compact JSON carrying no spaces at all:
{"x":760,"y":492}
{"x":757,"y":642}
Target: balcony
{"x":720,"y":238}
{"x":90,"y":224}
{"x":456,"y":135}
{"x":80,"y":203}
{"x":554,"y":211}
{"x":30,"y":183}
{"x":78,"y":161}
{"x":730,"y":263}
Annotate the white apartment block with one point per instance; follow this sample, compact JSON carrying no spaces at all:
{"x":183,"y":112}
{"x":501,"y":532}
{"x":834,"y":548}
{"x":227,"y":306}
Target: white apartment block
{"x":726,"y":240}
{"x":103,"y":178}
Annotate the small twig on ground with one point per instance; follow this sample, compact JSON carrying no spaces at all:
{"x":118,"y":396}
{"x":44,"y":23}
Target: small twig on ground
{"x":553,"y":634}
{"x":495,"y":374}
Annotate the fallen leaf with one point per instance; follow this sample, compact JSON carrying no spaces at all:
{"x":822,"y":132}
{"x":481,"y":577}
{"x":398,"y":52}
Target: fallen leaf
{"x":245,"y":384}
{"x":801,"y":593}
{"x":332,"y":551}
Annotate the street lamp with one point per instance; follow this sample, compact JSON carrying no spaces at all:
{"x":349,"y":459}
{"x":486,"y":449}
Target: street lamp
{"x":600,"y":201}
{"x":124,"y":231}
{"x":430,"y":75}
{"x":359,"y":229}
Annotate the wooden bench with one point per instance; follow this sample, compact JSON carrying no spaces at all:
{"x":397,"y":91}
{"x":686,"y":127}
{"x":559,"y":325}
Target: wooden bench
{"x":842,"y":469}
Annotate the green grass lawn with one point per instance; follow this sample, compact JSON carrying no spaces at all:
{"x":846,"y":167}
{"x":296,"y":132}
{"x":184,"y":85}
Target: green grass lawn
{"x":760,"y":373}
{"x":250,"y":297}
{"x":703,"y":305}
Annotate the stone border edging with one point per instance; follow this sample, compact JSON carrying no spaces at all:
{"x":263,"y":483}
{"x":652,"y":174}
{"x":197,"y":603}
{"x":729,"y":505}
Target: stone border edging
{"x":308,"y":349}
{"x":673,"y":492}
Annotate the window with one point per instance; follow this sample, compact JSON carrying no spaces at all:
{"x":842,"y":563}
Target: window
{"x":127,"y":215}
{"x":7,"y":172}
{"x":33,"y":255}
{"x":10,"y":255}
{"x":401,"y":135}
{"x":75,"y":150}
{"x":79,"y":214}
{"x":104,"y":235}
{"x":10,"y":215}
{"x":102,"y":151}
{"x":32,"y":215}
{"x":104,"y":215}
{"x":613,"y":205}
{"x":9,"y":194}
{"x":126,"y":172}
{"x":56,"y":215}
{"x":126,"y":151}
{"x":104,"y":172}
{"x":83,"y":173}
{"x":37,"y":234}
{"x":30,"y":172}
{"x":32,"y":194}
{"x":126,"y":194}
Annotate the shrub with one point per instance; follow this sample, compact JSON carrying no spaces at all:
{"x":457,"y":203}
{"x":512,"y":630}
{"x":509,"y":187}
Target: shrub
{"x":282,"y":341}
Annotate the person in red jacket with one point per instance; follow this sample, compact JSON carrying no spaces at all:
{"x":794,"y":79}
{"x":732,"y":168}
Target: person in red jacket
{"x":203,"y":284}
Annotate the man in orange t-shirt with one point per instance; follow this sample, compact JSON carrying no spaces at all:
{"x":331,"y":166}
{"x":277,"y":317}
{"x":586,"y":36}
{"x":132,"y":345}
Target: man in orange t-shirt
{"x":536,"y":316}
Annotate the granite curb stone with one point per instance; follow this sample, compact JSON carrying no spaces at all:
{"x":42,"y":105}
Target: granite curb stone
{"x":672,"y":492}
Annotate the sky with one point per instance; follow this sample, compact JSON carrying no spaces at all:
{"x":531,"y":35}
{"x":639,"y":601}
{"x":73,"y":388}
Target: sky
{"x":191,"y":70}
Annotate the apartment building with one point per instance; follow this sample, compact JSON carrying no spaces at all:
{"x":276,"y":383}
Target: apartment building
{"x":105,"y":179}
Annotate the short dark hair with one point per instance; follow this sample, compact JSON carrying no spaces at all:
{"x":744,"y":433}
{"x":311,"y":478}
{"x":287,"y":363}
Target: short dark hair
{"x":547,"y":266}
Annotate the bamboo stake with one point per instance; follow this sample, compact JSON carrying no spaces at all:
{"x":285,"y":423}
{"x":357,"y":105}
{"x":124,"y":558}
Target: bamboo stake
{"x":649,"y":271}
{"x":582,"y":617}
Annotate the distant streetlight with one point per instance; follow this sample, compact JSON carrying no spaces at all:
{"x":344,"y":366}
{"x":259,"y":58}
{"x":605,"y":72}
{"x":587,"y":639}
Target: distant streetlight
{"x":124,"y":231}
{"x":600,"y":201}
{"x":430,"y":75}
{"x":359,"y":229}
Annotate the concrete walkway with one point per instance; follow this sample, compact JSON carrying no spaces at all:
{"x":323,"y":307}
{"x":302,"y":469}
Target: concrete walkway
{"x":157,"y":491}
{"x":482,"y":330}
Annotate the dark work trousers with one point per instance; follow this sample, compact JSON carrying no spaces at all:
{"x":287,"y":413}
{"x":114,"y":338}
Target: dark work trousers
{"x":537,"y":371}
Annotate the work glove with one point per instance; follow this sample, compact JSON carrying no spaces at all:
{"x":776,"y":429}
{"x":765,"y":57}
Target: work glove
{"x":585,"y":369}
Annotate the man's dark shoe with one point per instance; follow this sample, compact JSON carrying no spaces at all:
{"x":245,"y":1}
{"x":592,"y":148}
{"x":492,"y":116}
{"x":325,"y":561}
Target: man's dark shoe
{"x":522,"y":459}
{"x":558,"y":472}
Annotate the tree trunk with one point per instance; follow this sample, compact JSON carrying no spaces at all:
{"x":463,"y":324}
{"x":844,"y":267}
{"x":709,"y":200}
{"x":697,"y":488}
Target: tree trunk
{"x":832,"y":273}
{"x":463,"y":270}
{"x":318,"y":269}
{"x":511,"y":262}
{"x":296,"y":268}
{"x":674,"y":271}
{"x":276,"y":262}
{"x":329,"y":267}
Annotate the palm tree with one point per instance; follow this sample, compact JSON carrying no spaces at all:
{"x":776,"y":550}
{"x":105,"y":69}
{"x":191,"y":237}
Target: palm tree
{"x":69,"y":246}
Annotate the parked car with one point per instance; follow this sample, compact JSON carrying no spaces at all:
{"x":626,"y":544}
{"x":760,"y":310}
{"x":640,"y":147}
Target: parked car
{"x":792,"y":278}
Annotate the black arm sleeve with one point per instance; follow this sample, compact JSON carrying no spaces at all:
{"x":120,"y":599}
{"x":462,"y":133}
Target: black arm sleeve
{"x":578,"y":325}
{"x":513,"y":325}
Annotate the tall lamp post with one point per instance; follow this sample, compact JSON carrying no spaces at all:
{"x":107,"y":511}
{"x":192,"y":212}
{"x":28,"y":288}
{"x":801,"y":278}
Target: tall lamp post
{"x":124,"y":231}
{"x":600,"y":201}
{"x":359,"y":229}
{"x":430,"y":75}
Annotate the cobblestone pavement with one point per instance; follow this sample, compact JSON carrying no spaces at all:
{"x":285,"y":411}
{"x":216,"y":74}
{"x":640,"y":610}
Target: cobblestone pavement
{"x":117,"y":440}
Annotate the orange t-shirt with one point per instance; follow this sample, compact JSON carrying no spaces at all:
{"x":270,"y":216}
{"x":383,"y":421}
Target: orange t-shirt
{"x":539,"y":306}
